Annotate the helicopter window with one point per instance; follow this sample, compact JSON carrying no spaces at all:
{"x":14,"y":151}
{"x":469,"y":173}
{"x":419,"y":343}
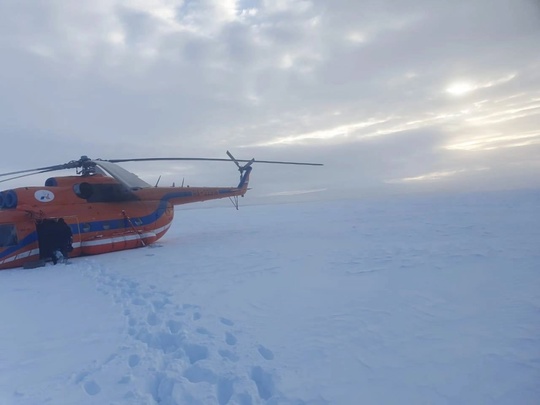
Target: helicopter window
{"x":8,"y":235}
{"x":103,"y":192}
{"x":86,"y":227}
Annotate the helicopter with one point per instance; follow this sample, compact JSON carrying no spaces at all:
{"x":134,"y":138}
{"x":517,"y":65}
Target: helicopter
{"x":104,"y":208}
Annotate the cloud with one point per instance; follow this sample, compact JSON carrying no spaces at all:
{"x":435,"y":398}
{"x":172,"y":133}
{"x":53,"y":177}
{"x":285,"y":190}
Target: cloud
{"x":464,"y":87}
{"x":367,"y":87}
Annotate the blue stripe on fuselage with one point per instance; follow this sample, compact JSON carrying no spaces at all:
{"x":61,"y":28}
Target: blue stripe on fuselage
{"x":98,"y":225}
{"x":28,"y":239}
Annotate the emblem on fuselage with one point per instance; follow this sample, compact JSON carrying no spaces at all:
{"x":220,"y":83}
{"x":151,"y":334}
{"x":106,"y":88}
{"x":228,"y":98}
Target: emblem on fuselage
{"x":44,"y":195}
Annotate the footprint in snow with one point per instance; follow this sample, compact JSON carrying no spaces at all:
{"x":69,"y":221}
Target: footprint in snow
{"x":264,"y":382}
{"x":230,"y":339}
{"x":228,"y":355}
{"x":224,"y":390}
{"x":266,"y":353}
{"x":195,"y":352}
{"x":92,"y":387}
{"x":174,"y":326}
{"x":203,"y":331}
{"x":133,"y":360}
{"x":154,"y":319}
{"x":226,"y":321}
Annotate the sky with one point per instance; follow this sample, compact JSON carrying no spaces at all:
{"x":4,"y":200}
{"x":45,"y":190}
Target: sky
{"x":392,"y":96}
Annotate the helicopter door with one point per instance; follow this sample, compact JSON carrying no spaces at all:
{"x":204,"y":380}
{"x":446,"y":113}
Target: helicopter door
{"x":73,"y":222}
{"x":57,"y":234}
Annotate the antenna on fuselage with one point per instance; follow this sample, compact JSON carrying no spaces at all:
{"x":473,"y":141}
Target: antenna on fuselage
{"x":157,"y":182}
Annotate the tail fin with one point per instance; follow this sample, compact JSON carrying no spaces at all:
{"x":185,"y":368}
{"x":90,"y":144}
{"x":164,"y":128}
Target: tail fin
{"x":244,"y":179}
{"x":244,"y":170}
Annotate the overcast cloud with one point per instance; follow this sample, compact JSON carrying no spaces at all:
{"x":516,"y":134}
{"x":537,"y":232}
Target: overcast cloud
{"x":393,"y":96}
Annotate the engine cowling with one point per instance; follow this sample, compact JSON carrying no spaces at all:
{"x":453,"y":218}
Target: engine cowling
{"x":8,"y":199}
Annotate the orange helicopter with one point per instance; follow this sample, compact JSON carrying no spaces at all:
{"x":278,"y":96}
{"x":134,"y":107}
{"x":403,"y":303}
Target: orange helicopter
{"x":104,"y":208}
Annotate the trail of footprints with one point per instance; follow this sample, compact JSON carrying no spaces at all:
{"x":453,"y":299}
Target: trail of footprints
{"x":181,"y":356}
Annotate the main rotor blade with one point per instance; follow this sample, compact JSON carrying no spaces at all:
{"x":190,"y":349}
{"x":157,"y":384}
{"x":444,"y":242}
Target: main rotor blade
{"x":85,"y":161}
{"x":28,"y":174}
{"x":212,"y":160}
{"x":38,"y":170}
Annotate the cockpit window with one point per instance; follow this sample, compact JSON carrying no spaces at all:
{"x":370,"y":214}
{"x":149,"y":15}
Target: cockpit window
{"x":103,"y":192}
{"x":8,"y":235}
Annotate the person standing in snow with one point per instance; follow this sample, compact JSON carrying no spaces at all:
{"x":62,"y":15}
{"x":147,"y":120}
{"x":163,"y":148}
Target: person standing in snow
{"x":57,"y":244}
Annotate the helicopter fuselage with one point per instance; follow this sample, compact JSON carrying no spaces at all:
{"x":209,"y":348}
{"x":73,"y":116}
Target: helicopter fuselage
{"x":102,"y":213}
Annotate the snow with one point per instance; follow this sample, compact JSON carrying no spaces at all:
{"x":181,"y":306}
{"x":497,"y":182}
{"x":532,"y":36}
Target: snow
{"x":410,"y":300}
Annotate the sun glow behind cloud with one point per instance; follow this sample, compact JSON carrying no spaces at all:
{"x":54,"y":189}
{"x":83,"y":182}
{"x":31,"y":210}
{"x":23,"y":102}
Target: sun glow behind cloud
{"x":509,"y":114}
{"x":497,"y":141}
{"x":432,"y":176}
{"x":435,"y":176}
{"x":460,"y":88}
{"x":342,"y":131}
{"x":357,"y":37}
{"x":486,"y":121}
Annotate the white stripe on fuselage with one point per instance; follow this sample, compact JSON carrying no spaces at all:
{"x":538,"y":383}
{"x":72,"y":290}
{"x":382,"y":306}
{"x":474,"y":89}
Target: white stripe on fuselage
{"x":97,"y":242}
{"x":123,"y":238}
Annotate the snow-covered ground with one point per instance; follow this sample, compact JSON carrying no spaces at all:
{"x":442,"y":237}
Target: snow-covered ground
{"x":430,"y":300}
